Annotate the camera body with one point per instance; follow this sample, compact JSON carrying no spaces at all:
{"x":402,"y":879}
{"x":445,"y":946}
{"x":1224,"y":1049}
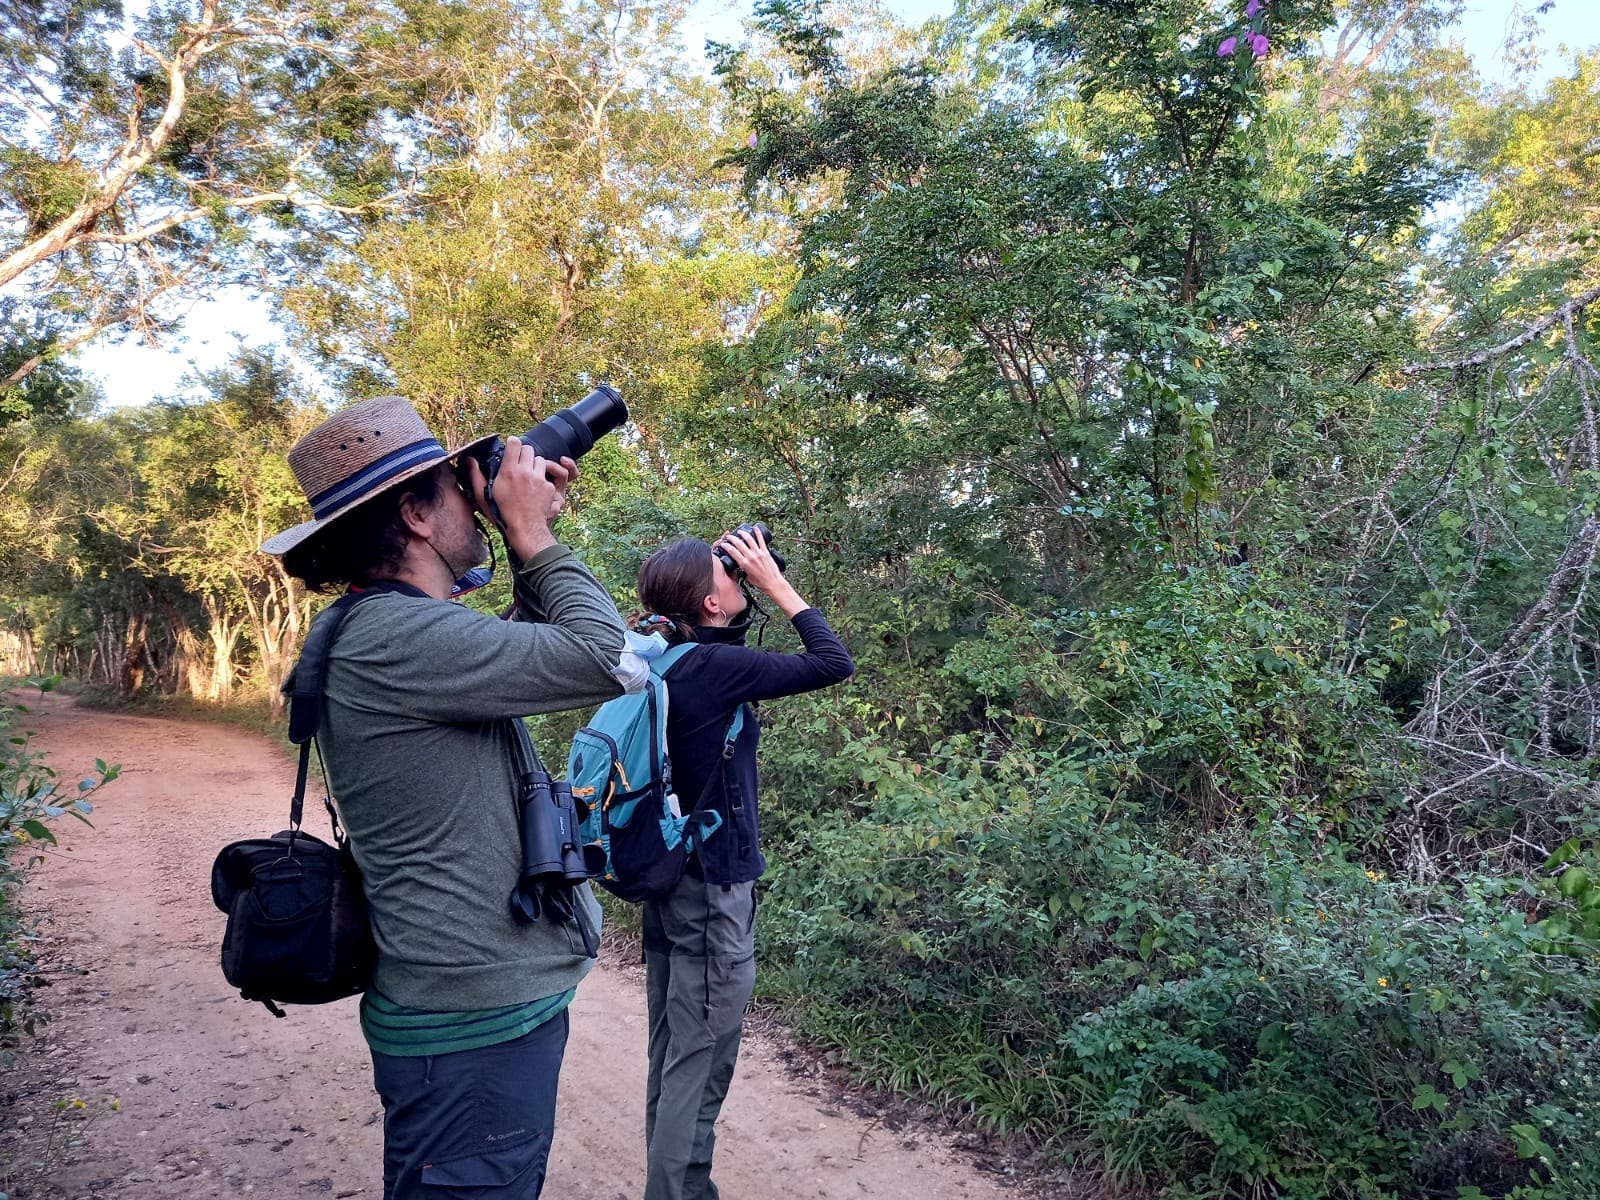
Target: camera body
{"x":759,"y":528}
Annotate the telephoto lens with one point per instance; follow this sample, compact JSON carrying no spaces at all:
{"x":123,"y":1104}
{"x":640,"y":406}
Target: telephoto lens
{"x":566,"y":433}
{"x":572,"y":432}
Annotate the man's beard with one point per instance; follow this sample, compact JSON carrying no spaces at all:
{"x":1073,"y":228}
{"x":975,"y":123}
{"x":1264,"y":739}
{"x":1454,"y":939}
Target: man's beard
{"x":468,"y":552}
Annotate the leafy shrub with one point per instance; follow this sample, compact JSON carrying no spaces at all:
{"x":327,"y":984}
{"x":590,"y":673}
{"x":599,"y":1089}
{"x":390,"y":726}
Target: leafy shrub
{"x":1222,"y":694}
{"x":1228,"y":690}
{"x":1391,"y":1041}
{"x":1194,"y":1013}
{"x":31,"y":798}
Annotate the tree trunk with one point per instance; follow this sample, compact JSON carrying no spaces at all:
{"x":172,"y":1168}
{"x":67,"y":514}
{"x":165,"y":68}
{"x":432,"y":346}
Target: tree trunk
{"x":279,"y":610}
{"x":191,"y":665}
{"x":224,"y":632}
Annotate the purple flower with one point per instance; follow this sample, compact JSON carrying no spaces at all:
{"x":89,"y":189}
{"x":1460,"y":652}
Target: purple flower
{"x":1228,"y":46}
{"x":1258,"y":44}
{"x":754,"y":141}
{"x":1251,"y":9}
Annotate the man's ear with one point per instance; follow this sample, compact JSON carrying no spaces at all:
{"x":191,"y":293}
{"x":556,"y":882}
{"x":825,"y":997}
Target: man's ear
{"x":418,"y":517}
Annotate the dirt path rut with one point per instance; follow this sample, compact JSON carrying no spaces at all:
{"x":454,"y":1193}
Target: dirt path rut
{"x":217,"y":1098}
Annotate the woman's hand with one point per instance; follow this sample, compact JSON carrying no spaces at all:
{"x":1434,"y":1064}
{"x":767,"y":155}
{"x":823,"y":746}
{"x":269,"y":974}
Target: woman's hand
{"x":749,"y":551}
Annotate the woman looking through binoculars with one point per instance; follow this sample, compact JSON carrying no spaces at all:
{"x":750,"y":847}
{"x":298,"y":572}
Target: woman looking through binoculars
{"x":699,"y":939}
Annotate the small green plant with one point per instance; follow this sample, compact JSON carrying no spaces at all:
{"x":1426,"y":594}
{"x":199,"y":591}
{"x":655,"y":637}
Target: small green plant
{"x":37,"y":1149}
{"x":1570,"y":901}
{"x":32,"y":797}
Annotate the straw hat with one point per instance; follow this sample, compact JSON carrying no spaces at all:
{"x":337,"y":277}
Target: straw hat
{"x":352,"y":456}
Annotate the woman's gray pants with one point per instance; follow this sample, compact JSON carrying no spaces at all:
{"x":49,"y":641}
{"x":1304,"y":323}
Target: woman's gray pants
{"x":700,"y":972}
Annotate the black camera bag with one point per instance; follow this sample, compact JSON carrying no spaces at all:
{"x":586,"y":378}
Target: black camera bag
{"x":298,"y":930}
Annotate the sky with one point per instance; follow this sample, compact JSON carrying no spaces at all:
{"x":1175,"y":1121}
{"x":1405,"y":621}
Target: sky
{"x":215,"y":329}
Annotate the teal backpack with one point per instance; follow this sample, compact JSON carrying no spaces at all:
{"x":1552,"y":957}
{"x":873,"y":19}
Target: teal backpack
{"x":636,"y":836}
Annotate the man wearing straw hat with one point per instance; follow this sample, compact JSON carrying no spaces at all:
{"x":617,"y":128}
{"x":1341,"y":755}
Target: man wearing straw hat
{"x":421,"y":732}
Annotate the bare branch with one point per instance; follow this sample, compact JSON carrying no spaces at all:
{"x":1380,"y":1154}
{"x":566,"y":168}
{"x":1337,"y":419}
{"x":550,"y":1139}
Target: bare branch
{"x":136,"y":154}
{"x":1482,"y":357}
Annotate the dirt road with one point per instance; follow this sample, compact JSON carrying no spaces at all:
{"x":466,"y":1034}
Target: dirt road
{"x":217,"y":1098}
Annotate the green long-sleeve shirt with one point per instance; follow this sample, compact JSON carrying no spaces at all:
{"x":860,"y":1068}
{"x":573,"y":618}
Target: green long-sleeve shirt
{"x":416,"y":734}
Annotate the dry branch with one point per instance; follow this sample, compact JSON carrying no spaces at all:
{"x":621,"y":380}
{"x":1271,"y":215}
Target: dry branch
{"x":1512,"y":709}
{"x":1483,"y":357}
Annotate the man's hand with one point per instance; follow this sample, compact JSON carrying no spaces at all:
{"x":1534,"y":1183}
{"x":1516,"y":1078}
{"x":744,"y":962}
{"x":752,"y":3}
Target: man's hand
{"x":530,"y":491}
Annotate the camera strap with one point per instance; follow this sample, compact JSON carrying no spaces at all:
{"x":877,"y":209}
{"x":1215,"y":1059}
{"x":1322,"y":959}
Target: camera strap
{"x":305,"y":686}
{"x":523,"y":752}
{"x":754,"y":603}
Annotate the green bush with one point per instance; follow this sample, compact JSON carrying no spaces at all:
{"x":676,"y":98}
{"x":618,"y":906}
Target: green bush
{"x":1350,"y":1036}
{"x":31,"y":798}
{"x":1197,"y":1015}
{"x":1218,"y":695}
{"x":1230,"y":689}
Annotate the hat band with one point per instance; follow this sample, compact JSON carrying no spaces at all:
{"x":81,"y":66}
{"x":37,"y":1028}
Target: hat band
{"x":374,"y":476}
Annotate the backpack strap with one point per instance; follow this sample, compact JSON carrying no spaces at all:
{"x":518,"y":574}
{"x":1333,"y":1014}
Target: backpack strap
{"x":731,"y":788}
{"x":305,"y":686}
{"x":735,"y":727}
{"x":667,"y":659}
{"x":659,"y":666}
{"x":662,"y":663}
{"x":307,"y":681}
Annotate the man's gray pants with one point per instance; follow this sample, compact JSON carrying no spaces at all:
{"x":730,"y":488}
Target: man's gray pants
{"x":700,"y":972}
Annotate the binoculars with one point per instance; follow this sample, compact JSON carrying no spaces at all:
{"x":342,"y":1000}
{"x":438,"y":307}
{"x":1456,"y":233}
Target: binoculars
{"x":763,"y":535}
{"x":552,"y":858}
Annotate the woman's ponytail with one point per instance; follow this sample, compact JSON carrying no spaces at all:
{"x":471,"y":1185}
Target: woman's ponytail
{"x":673,"y":585}
{"x":675,"y":631}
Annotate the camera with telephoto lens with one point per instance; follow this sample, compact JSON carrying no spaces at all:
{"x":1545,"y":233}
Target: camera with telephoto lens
{"x":568,"y":433}
{"x":763,"y":534}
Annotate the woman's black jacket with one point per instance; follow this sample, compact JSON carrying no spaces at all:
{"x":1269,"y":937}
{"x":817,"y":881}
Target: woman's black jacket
{"x":704,"y":688}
